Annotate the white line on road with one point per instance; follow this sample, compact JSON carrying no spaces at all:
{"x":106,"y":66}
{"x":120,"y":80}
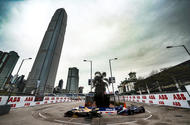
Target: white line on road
{"x":148,"y":116}
{"x":70,"y":122}
{"x":44,"y":117}
{"x":133,"y":121}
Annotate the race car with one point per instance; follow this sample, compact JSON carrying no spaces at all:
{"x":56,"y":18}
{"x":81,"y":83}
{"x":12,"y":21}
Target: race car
{"x":135,"y":109}
{"x":83,"y":112}
{"x":131,"y":110}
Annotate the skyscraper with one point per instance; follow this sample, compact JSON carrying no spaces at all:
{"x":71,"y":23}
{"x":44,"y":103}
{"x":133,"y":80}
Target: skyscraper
{"x":60,"y":84}
{"x":81,"y":89}
{"x":72,"y":80}
{"x":44,"y":70}
{"x":7,"y":64}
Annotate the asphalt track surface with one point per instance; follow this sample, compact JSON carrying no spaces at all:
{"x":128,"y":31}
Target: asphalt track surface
{"x":53,"y":114}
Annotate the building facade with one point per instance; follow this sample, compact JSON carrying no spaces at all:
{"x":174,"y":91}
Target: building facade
{"x":128,"y":85}
{"x":7,"y":64}
{"x":42,"y":76}
{"x":72,"y":80}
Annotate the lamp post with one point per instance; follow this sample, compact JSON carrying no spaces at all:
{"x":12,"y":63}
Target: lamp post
{"x":90,"y":72}
{"x":177,"y":85}
{"x":15,"y":77}
{"x":179,"y":46}
{"x":21,"y":64}
{"x":111,"y":76}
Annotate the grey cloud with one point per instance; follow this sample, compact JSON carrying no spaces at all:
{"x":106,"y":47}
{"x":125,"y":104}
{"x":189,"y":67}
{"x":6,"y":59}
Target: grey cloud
{"x":156,"y":25}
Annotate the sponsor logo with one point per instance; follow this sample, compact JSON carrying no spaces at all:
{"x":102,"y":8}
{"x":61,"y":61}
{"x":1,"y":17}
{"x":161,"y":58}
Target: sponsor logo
{"x":28,"y":99}
{"x":176,"y":103}
{"x":152,"y":97}
{"x":163,"y":97}
{"x":151,"y":101}
{"x":161,"y":102}
{"x":13,"y":105}
{"x":14,"y":99}
{"x":37,"y":103}
{"x":144,"y":97}
{"x":47,"y":98}
{"x":27,"y":104}
{"x":179,"y":97}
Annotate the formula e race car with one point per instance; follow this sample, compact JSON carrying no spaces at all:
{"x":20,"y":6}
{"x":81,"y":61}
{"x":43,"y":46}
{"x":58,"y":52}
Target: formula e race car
{"x":83,"y":112}
{"x":131,"y":110}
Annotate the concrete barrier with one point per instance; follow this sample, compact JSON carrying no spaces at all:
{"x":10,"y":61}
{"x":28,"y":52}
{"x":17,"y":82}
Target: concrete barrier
{"x":25,"y":101}
{"x":4,"y":109}
{"x":180,"y":99}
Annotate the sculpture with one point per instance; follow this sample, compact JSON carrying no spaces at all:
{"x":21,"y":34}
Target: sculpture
{"x":100,"y":83}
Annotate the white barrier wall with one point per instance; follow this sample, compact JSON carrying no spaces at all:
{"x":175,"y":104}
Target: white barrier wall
{"x":24,"y":101}
{"x":170,"y":99}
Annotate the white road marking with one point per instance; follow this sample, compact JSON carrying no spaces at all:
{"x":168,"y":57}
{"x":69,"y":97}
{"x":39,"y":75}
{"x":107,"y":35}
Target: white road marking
{"x":133,"y":121}
{"x":148,"y":116}
{"x":44,"y":117}
{"x":70,"y":122}
{"x":89,"y":124}
{"x":122,"y":123}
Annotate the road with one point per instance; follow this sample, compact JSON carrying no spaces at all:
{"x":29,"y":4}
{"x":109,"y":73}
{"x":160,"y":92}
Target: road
{"x":53,"y":114}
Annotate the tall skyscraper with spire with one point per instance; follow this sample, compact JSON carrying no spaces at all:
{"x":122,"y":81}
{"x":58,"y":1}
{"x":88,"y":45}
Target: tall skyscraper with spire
{"x":42,"y":76}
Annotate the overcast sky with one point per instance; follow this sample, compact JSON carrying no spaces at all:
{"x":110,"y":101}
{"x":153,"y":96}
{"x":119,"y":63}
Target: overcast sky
{"x":135,"y":31}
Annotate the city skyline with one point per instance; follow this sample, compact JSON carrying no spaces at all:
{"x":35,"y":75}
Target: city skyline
{"x":137,"y":33}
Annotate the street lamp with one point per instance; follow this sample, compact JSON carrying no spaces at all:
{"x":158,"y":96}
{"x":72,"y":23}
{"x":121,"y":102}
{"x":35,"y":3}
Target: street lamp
{"x":111,"y":75}
{"x":90,"y":72}
{"x":16,"y":75}
{"x":21,"y":64}
{"x":179,"y":46}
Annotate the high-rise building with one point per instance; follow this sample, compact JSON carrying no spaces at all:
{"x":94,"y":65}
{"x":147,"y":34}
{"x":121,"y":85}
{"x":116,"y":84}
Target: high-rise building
{"x":81,"y":89}
{"x":44,"y":70}
{"x":20,"y":83}
{"x":72,"y":80}
{"x":60,"y":84}
{"x":7,"y":64}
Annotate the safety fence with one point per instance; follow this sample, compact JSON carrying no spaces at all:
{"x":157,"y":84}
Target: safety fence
{"x":180,"y":99}
{"x":25,"y":101}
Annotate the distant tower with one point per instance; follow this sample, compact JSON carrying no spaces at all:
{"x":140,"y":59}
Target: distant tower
{"x":72,"y":80}
{"x":60,"y":84}
{"x":7,"y":64}
{"x":81,"y":89}
{"x":44,"y":69}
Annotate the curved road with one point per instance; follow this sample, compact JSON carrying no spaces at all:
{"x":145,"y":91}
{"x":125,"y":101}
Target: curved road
{"x":53,"y":114}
